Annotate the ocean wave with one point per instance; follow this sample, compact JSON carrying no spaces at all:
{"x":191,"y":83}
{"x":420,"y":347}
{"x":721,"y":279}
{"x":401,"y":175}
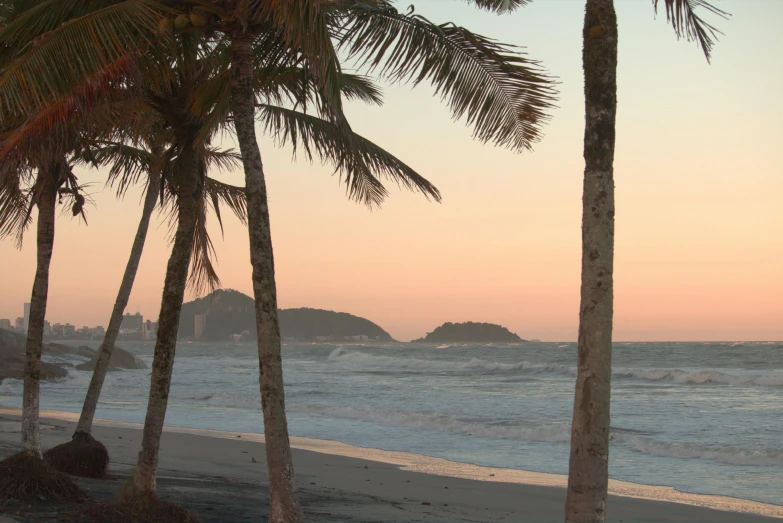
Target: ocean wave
{"x":701,"y":377}
{"x":722,"y":453}
{"x":473,"y":366}
{"x":550,"y":433}
{"x":478,"y":366}
{"x":553,"y":433}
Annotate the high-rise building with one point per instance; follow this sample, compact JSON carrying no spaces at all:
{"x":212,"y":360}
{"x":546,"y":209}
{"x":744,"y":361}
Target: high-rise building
{"x":19,"y":325}
{"x":47,"y":328}
{"x":150,"y":330}
{"x":5,"y":324}
{"x":201,"y":324}
{"x":26,"y":316}
{"x":99,"y":332}
{"x":132,"y":325}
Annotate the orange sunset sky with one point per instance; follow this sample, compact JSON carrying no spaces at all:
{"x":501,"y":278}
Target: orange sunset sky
{"x":699,"y":176}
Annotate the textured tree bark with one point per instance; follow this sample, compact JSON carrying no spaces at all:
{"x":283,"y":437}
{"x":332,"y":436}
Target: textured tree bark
{"x":189,"y":190}
{"x":105,"y":351}
{"x":588,"y":472}
{"x":47,"y":201}
{"x":284,"y":499}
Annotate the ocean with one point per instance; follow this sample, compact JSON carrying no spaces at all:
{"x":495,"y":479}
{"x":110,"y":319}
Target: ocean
{"x":705,"y":418}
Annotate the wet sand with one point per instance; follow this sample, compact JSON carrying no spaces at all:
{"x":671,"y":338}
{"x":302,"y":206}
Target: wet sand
{"x":214,"y":474}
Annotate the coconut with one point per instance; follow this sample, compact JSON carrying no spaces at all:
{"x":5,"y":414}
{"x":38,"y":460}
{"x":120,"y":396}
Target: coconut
{"x":197,"y":20}
{"x":181,"y":22}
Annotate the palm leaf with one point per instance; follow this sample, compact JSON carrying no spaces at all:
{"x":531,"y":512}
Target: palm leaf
{"x":681,"y":14}
{"x":356,"y":158}
{"x":500,"y":6}
{"x":58,"y":61}
{"x":502,"y":94}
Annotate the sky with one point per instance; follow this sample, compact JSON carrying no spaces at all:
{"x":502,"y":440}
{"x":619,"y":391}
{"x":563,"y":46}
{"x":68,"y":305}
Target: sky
{"x":699,"y":201}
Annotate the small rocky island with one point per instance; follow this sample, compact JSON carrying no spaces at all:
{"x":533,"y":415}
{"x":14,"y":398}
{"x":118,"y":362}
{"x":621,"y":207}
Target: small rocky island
{"x":470,"y":332}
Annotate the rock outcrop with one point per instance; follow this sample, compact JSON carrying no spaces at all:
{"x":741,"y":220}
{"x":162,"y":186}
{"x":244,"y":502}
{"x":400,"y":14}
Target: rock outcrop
{"x":12,"y":358}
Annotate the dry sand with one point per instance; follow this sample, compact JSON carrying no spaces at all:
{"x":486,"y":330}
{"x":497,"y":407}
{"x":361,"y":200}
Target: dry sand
{"x":214,"y":474}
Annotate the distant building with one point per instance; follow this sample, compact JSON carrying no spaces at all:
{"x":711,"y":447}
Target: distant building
{"x":69,"y":331}
{"x":26,"y":316}
{"x":47,"y":328}
{"x":99,"y":332}
{"x":57,"y":329}
{"x":19,"y":325}
{"x":5,"y":324}
{"x":201,"y":324}
{"x":132,"y":325}
{"x":150,"y":330}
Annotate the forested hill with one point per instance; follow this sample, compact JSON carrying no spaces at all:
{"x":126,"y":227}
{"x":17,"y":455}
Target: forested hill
{"x":470,"y":331}
{"x":229,"y":312}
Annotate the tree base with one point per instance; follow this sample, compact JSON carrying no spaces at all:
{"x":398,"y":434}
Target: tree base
{"x":27,"y":478}
{"x":83,"y":456}
{"x":133,"y":507}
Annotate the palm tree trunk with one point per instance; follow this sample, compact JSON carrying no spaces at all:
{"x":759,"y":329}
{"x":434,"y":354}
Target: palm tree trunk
{"x":588,"y":472}
{"x":104,"y":353}
{"x":47,"y":201}
{"x":284,"y":500}
{"x":168,"y":323}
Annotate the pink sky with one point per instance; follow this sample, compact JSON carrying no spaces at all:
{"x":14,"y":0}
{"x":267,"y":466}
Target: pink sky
{"x":699,"y":175}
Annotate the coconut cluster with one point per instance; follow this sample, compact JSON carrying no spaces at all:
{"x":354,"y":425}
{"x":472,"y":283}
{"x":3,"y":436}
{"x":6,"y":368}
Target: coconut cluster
{"x":183,"y":21}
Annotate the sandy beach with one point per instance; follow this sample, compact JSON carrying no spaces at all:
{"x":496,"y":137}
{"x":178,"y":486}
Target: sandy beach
{"x":222,"y":477}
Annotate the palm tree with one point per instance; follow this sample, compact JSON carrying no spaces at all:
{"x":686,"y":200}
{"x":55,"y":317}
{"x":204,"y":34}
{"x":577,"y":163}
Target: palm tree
{"x":503,"y":95}
{"x":84,"y":455}
{"x":25,"y":476}
{"x":588,"y":473}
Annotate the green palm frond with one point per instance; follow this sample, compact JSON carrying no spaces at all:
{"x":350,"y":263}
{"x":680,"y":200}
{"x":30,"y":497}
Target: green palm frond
{"x":59,"y":60}
{"x":356,"y":158}
{"x":681,"y":14}
{"x":502,"y":94}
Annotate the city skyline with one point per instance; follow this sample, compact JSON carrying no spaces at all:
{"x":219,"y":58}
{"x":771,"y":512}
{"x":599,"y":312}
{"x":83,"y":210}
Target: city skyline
{"x":699,"y":220}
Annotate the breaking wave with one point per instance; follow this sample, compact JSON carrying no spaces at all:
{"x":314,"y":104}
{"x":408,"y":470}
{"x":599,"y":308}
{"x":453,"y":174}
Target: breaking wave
{"x":477,"y":366}
{"x":554,"y":433}
{"x":550,"y":433}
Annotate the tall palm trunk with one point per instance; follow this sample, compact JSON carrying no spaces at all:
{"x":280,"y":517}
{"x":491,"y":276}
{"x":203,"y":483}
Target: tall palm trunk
{"x":104,"y":353}
{"x":588,"y":472}
{"x":47,"y":200}
{"x":168,"y":322}
{"x":284,"y":500}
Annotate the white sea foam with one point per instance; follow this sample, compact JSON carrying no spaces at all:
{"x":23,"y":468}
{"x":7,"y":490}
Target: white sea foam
{"x":477,"y":366}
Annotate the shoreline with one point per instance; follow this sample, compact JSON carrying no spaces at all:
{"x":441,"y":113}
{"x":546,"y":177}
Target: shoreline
{"x":439,"y":467}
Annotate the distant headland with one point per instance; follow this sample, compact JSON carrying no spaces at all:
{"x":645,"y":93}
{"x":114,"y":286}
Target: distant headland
{"x":226,"y":315}
{"x":470,"y":332}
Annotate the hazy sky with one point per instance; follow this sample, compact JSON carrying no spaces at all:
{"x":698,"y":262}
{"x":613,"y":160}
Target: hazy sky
{"x":699,"y":176}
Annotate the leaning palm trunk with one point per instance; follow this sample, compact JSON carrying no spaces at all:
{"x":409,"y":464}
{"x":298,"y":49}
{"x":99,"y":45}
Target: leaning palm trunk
{"x":104,"y":353}
{"x":588,"y":472}
{"x":47,"y":200}
{"x":284,"y":500}
{"x":168,"y":323}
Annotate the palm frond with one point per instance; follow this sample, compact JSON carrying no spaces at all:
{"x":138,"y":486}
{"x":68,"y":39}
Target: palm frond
{"x":14,"y":205}
{"x":203,"y":276}
{"x":500,"y":6}
{"x":229,"y":195}
{"x":59,"y":60}
{"x":357,"y":159}
{"x":681,"y":14}
{"x":502,"y":94}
